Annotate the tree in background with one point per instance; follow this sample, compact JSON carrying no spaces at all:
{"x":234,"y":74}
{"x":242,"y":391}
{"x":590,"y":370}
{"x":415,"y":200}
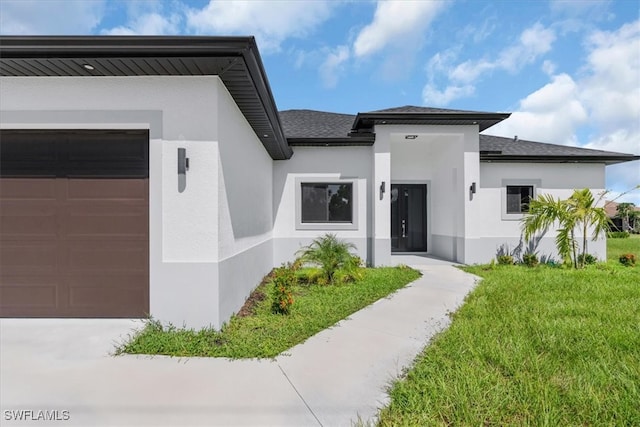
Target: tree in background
{"x":628,"y":214}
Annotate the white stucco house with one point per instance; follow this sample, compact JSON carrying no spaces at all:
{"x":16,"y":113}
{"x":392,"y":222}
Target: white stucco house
{"x":155,"y":176}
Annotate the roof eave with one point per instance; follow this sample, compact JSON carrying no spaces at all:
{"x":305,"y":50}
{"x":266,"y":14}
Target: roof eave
{"x":86,"y":47}
{"x":367,"y":140}
{"x":484,"y":120}
{"x":608,"y":160}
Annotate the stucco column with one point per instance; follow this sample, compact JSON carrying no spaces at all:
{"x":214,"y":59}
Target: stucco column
{"x":381,"y":201}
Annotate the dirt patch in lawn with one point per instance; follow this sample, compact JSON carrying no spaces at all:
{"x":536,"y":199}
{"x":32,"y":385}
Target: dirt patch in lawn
{"x":255,"y":297}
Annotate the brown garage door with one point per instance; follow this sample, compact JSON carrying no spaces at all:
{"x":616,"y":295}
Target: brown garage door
{"x":74,"y":224}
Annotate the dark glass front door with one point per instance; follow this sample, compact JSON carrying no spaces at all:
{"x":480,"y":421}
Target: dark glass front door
{"x":408,"y":217}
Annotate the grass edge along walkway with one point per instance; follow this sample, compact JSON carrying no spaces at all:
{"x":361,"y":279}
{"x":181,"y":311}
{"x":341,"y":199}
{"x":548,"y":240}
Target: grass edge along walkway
{"x":264,"y":334}
{"x":541,"y":346}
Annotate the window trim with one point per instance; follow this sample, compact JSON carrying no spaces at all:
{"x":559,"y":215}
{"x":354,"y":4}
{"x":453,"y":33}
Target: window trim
{"x":353,"y":225}
{"x":535,"y":183}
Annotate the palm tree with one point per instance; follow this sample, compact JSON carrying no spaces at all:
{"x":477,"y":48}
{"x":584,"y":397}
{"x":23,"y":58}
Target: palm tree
{"x":583,"y":207}
{"x":544,"y":211}
{"x":329,"y":253}
{"x":579,"y":211}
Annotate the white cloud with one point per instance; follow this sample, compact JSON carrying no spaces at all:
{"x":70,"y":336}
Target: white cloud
{"x":271,"y":22}
{"x":395,"y":22}
{"x":532,"y":43}
{"x":148,"y":24}
{"x":606,"y":98}
{"x":549,"y":67}
{"x":550,"y":114}
{"x":333,"y":65}
{"x":612,"y":86}
{"x":33,"y":17}
{"x":432,"y":96}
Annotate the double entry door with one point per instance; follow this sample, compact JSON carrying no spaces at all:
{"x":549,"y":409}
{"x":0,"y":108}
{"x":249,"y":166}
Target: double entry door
{"x":408,"y":217}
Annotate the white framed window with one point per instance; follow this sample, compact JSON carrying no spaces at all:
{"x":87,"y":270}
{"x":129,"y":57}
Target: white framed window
{"x":516,"y":196}
{"x":326,"y":204}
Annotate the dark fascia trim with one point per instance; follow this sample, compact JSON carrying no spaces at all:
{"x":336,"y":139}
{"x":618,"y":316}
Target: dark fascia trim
{"x":366,"y":120}
{"x":607,"y":159}
{"x":357,"y":141}
{"x":256,"y":69}
{"x":121,"y":46}
{"x":152,"y":46}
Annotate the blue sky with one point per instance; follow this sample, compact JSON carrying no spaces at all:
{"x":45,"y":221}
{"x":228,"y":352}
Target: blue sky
{"x":568,"y":70}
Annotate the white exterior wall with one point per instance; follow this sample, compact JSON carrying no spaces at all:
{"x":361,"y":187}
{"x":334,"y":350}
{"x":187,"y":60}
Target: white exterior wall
{"x":191,"y":243}
{"x":318,"y":164}
{"x":487,"y":230}
{"x":244,"y":205}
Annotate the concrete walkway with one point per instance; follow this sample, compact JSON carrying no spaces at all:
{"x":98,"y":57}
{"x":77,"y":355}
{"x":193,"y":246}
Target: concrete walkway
{"x":333,"y":379}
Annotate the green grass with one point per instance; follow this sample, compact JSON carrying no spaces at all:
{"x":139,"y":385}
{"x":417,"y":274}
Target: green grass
{"x":617,"y":247}
{"x":265,"y":334}
{"x":532,"y":346}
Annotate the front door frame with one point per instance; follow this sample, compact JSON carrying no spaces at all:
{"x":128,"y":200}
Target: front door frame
{"x":428,"y":212}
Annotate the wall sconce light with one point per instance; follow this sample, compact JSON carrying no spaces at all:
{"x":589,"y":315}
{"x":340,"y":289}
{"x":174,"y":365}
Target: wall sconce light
{"x":410,"y":136}
{"x":183,"y":167}
{"x":473,"y":188}
{"x":382,"y":189}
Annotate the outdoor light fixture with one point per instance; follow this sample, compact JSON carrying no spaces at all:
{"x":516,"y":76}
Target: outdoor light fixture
{"x":410,"y":136}
{"x":183,"y":167}
{"x":473,"y":188}
{"x":382,"y":189}
{"x":88,"y":67}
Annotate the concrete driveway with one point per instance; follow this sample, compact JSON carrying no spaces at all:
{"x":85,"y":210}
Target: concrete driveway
{"x":63,"y":368}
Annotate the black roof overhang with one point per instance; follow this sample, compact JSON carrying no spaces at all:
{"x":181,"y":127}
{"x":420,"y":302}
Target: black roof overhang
{"x":606,"y":159}
{"x":357,"y":140}
{"x":235,"y":60}
{"x":483,"y":120}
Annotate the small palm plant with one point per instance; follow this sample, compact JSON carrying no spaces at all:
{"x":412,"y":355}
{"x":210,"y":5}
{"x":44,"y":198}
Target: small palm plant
{"x":329,"y":253}
{"x":579,"y":211}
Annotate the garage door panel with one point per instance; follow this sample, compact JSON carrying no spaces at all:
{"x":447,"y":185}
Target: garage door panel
{"x":29,"y":257}
{"x":115,"y":190}
{"x":108,"y":296}
{"x":32,"y":220}
{"x":108,"y":257}
{"x":92,"y":222}
{"x":27,"y":189}
{"x":28,"y":292}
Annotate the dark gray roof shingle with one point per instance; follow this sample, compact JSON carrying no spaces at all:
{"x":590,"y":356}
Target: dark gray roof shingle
{"x":310,"y":127}
{"x":521,"y":147}
{"x":424,"y":110}
{"x":315,"y":124}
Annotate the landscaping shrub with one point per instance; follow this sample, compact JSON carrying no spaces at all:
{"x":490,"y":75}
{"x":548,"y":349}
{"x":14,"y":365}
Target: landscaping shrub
{"x":530,"y":259}
{"x":628,"y":260}
{"x":584,"y":259}
{"x":283,"y":279}
{"x":330,"y":254}
{"x":352,"y":271}
{"x":618,"y":234}
{"x":505,"y":260}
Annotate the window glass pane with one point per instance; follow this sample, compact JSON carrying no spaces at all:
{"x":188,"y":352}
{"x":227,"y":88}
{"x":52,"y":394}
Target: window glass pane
{"x":327,"y":202}
{"x":518,"y":197}
{"x":339,"y":202}
{"x":526,"y":194}
{"x":314,"y":203}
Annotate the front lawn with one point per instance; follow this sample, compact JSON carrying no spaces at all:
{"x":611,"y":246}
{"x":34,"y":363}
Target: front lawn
{"x":532,"y":346}
{"x":617,"y":247}
{"x":265,"y":334}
